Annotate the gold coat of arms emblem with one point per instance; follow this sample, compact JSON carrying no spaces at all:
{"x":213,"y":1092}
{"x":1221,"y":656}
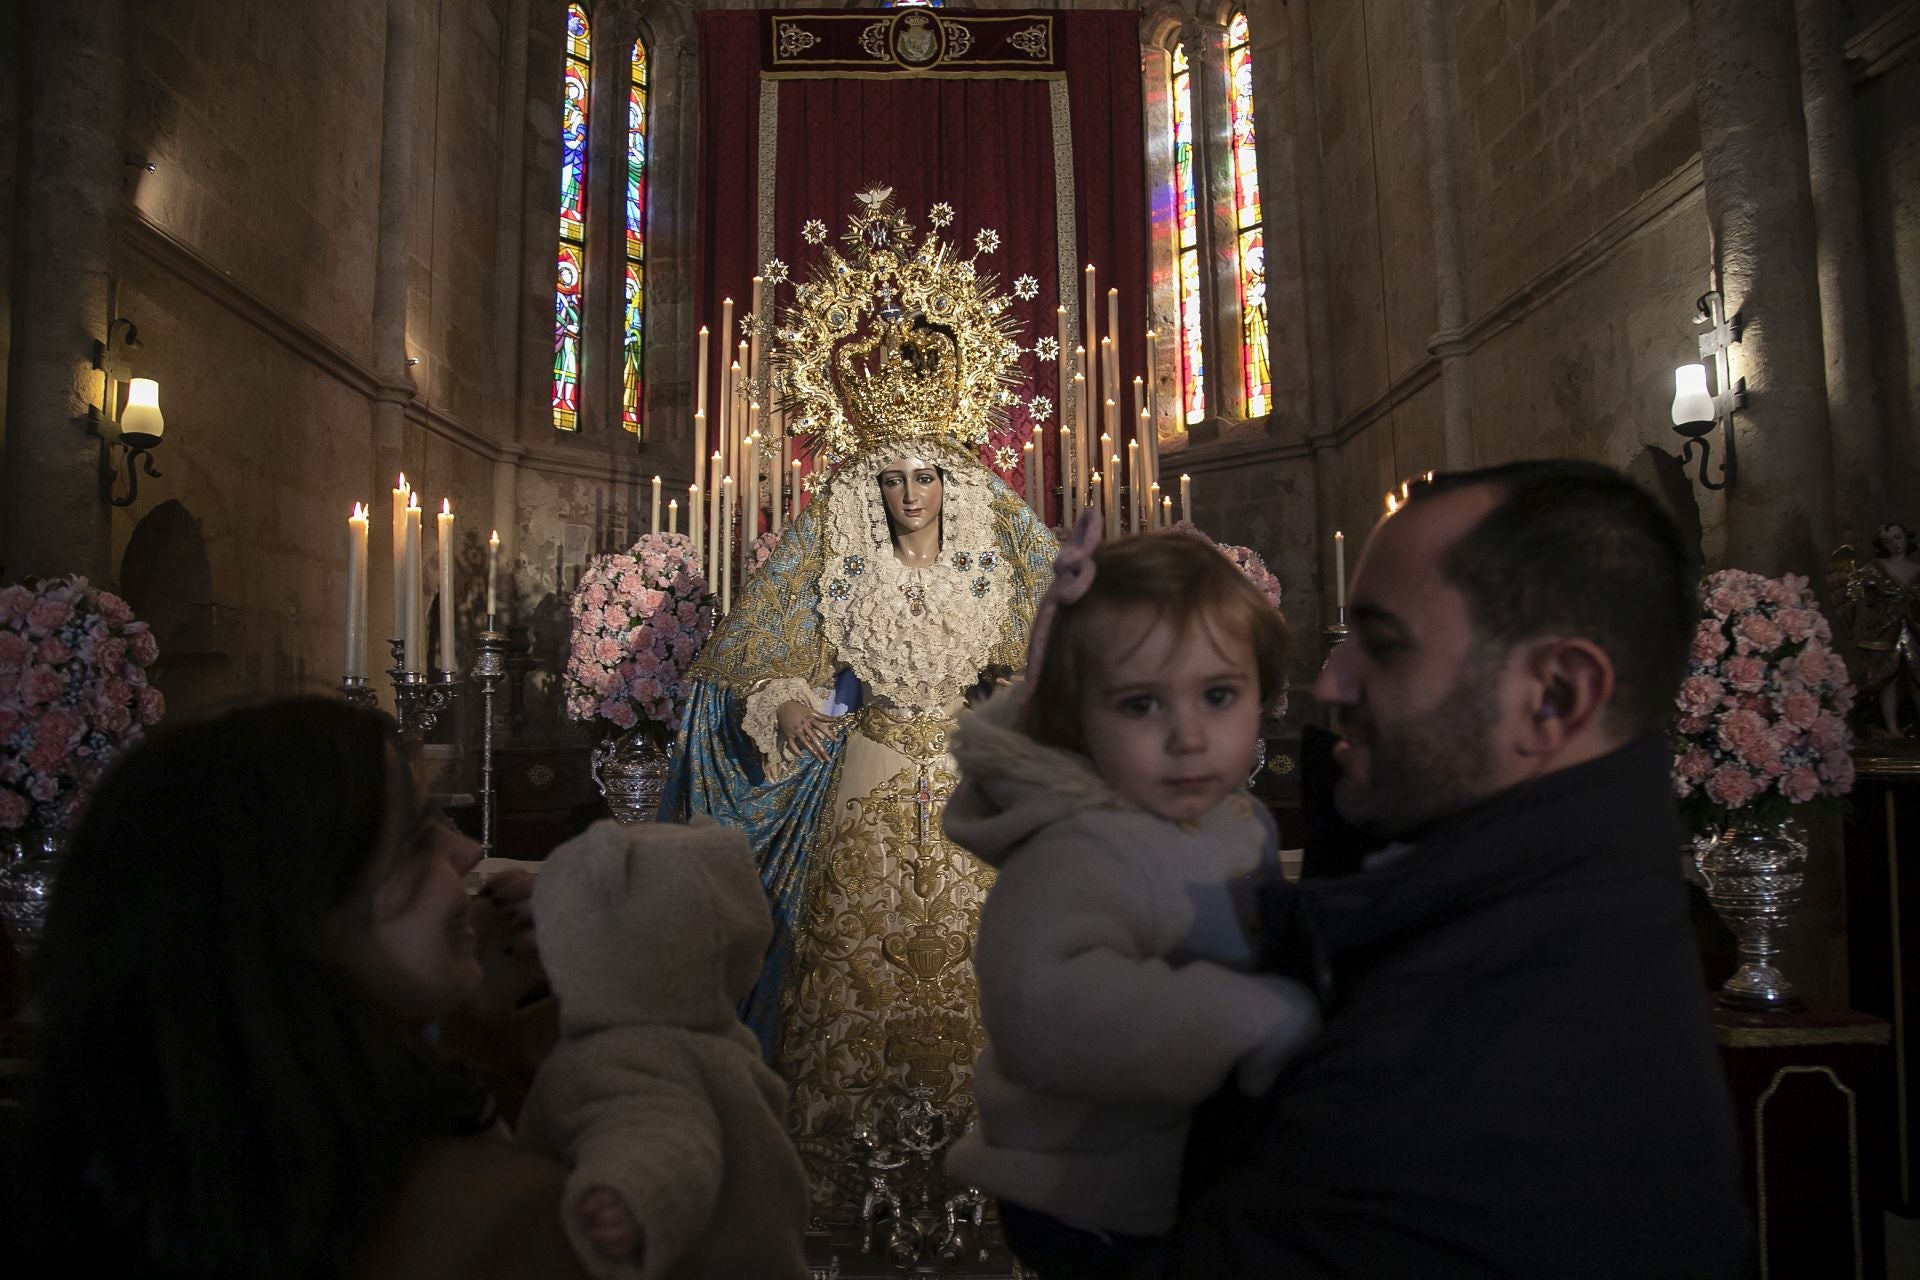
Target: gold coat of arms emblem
{"x":917,"y":41}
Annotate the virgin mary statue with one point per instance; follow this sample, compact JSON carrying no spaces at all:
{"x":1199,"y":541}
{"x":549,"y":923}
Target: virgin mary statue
{"x":819,"y":710}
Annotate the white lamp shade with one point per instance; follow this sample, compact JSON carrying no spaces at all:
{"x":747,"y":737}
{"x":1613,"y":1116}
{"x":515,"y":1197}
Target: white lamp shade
{"x":142,"y":414}
{"x":1691,"y":403}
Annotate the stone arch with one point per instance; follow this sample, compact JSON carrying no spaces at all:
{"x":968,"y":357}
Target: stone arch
{"x":167,"y":576}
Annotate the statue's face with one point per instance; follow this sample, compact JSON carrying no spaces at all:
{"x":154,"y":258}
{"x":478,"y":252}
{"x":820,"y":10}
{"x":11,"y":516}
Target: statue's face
{"x":1894,"y":538}
{"x":912,"y":491}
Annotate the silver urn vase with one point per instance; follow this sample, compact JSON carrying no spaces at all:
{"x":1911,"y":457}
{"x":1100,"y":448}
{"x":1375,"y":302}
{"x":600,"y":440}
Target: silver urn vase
{"x":631,"y":773}
{"x":1753,"y":872}
{"x":29,"y":862}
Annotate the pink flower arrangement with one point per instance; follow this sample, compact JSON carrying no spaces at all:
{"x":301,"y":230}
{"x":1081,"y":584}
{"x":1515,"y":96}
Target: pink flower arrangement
{"x":1245,"y":559}
{"x":639,"y":619}
{"x":763,"y":547}
{"x":73,"y":695}
{"x":1761,"y":718}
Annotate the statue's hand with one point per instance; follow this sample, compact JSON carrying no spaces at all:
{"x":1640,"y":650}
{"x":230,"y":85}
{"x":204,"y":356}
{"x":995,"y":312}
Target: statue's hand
{"x":804,"y":729}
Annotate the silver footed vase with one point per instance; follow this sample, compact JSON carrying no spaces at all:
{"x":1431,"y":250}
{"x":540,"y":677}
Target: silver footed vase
{"x":631,"y":772}
{"x":1754,"y":874}
{"x":29,"y":862}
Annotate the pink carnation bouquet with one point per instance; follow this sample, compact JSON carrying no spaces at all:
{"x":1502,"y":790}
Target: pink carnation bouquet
{"x":1761,"y":719}
{"x":763,"y":547}
{"x":73,"y":695}
{"x":639,"y":619}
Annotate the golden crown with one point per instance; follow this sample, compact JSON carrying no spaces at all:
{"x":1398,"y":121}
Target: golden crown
{"x":894,"y":341}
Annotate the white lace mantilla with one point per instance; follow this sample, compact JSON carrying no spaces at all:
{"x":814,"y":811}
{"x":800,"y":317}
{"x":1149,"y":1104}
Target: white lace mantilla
{"x":919,"y":660}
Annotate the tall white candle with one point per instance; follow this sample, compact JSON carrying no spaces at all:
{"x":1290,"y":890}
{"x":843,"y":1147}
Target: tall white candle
{"x":1089,"y":319}
{"x":714,"y":526}
{"x":1114,"y":481}
{"x":1186,"y":498}
{"x":726,"y":544}
{"x":356,"y":657}
{"x":1153,"y":504}
{"x":1166,"y":512}
{"x":493,"y":574}
{"x":1113,"y":339}
{"x":1082,"y":438}
{"x":1096,"y":499}
{"x":700,"y":401}
{"x":1065,"y":465}
{"x":444,"y":528}
{"x":753,"y":360}
{"x":750,"y":501}
{"x":655,"y":528}
{"x":793,"y":495}
{"x":1339,"y":569}
{"x":673,"y":515}
{"x":737,"y":419}
{"x":416,"y":631}
{"x":699,"y":450}
{"x":400,"y":567}
{"x":1033,"y":483}
{"x":1109,"y":384}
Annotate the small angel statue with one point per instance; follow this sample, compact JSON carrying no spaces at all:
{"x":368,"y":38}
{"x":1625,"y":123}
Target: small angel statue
{"x":1881,"y":604}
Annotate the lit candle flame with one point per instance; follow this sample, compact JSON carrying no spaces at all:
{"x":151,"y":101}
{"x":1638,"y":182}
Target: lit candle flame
{"x":446,"y":506}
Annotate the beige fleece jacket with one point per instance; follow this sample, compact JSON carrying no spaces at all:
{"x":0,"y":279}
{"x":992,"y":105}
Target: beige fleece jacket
{"x":651,"y":934}
{"x":1109,"y":961}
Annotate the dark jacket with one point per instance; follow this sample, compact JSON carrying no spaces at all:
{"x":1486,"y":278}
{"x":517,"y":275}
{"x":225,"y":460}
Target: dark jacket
{"x":1518,"y":1075}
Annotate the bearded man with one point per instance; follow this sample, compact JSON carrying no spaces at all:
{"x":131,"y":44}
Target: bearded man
{"x":1518,"y":1075}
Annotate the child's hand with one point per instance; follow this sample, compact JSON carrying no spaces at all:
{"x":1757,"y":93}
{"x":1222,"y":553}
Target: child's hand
{"x":1260,"y":1066}
{"x":609,"y":1226}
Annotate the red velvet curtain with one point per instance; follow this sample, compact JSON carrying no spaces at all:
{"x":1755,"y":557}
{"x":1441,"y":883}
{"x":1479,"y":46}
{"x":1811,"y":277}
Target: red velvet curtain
{"x":984,"y":145}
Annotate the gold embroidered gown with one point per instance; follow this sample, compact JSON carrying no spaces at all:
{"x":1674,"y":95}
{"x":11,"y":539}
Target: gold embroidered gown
{"x":870,"y":990}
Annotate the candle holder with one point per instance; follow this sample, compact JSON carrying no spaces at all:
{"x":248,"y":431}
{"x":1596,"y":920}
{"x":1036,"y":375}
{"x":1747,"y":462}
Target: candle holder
{"x":488,"y":670}
{"x":419,"y":700}
{"x":1335,"y":632}
{"x":356,"y":690}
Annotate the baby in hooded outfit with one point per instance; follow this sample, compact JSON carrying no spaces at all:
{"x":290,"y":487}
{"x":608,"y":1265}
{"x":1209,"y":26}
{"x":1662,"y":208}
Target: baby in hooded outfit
{"x":656,"y":1097}
{"x":1115,"y":946}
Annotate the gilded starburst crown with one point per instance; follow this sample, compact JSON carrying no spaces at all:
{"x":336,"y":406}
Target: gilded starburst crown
{"x":894,"y":339}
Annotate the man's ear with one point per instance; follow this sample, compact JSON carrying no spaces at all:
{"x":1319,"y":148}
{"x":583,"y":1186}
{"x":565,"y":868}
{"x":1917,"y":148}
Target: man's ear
{"x":1570,"y":682}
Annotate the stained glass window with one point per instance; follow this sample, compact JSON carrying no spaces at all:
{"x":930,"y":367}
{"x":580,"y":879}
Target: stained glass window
{"x":573,"y":225}
{"x":1247,"y":222}
{"x":631,"y":334}
{"x":1193,"y":391}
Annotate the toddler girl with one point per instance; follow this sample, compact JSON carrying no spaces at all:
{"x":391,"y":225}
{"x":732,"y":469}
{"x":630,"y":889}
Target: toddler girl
{"x":1109,"y":789}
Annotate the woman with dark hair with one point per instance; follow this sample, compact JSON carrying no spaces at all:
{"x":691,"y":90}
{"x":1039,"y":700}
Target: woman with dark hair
{"x":257,"y":927}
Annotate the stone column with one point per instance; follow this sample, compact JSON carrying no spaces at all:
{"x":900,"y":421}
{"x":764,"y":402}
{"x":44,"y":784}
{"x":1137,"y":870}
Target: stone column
{"x":1853,"y":401}
{"x":1753,"y":151}
{"x":1315,"y":261}
{"x":56,"y":518}
{"x":1447,"y":343}
{"x":396,"y":389}
{"x":509,"y":226}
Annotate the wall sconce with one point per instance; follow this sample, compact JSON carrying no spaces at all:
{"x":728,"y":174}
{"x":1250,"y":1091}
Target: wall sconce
{"x":1696,"y":412}
{"x":127,"y":437}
